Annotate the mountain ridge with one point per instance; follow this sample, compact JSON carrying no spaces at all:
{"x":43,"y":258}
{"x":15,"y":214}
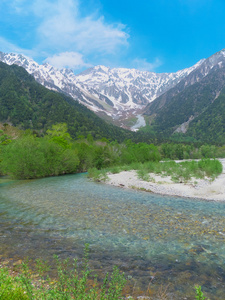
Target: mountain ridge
{"x":116,"y":92}
{"x":29,"y":105}
{"x":121,"y":93}
{"x":184,"y":107}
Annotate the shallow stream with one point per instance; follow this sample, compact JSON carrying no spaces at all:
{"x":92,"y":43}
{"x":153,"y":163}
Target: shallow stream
{"x":140,"y":123}
{"x":158,"y":241}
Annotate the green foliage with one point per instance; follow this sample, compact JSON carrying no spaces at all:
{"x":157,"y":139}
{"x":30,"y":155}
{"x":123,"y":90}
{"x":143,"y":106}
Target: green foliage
{"x":68,"y":284}
{"x":140,"y":152}
{"x":184,"y":102}
{"x":185,"y":170}
{"x":115,"y":169}
{"x":174,"y":151}
{"x":31,"y":157}
{"x":179,"y":172}
{"x":97,"y":175}
{"x":29,"y":105}
{"x":59,"y":135}
{"x":56,"y":153}
{"x":95,"y":155}
{"x":211,"y":168}
{"x":143,"y":174}
{"x":117,"y":157}
{"x":181,"y":138}
{"x":210,"y":125}
{"x":4,"y":138}
{"x":190,"y":151}
{"x":198,"y":169}
{"x":10,"y":287}
{"x":199,"y":293}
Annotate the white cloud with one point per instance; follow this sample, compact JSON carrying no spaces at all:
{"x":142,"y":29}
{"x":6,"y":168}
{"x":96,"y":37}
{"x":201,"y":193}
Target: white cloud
{"x":7,"y":46}
{"x":59,"y":27}
{"x":144,"y":65}
{"x":64,"y":28}
{"x":72,"y":60}
{"x":16,"y":5}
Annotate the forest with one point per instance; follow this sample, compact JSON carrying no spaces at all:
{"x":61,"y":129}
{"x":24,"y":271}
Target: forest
{"x":44,"y":133}
{"x":25,"y":155}
{"x":29,"y":105}
{"x":201,"y":104}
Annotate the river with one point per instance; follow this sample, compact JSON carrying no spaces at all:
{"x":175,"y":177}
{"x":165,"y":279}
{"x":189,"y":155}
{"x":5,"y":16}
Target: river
{"x":140,"y":123}
{"x":165,"y":241}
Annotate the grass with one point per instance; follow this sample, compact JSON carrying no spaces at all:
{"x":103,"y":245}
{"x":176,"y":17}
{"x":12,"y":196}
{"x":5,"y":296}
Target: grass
{"x":68,"y":284}
{"x":179,"y":172}
{"x":183,"y":171}
{"x":199,"y":294}
{"x":97,"y":175}
{"x":143,"y":174}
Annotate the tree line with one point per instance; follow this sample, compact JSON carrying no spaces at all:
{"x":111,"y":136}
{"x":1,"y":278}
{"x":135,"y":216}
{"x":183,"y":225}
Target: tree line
{"x":56,"y":153}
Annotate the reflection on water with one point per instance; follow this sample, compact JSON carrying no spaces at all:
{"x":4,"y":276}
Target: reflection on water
{"x":165,"y":240}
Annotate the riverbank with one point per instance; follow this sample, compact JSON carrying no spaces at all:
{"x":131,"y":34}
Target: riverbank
{"x":196,"y":188}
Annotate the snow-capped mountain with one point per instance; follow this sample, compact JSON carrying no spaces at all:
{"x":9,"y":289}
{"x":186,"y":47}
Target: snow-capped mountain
{"x":116,"y":92}
{"x":195,"y":105}
{"x":216,"y":61}
{"x":129,"y":88}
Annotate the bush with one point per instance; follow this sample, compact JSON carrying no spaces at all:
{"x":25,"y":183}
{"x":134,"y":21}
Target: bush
{"x":181,"y":172}
{"x":30,"y":157}
{"x":211,"y":167}
{"x":199,"y":293}
{"x":97,"y":175}
{"x":68,"y":284}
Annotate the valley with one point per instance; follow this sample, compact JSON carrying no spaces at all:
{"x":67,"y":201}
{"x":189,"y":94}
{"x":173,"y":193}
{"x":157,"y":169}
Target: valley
{"x":112,"y":150}
{"x":114,"y":92}
{"x":48,"y":129}
{"x":165,"y":240}
{"x":167,"y":101}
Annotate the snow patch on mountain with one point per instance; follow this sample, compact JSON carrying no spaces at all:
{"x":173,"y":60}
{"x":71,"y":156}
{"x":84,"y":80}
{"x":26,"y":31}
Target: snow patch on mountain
{"x":112,"y":91}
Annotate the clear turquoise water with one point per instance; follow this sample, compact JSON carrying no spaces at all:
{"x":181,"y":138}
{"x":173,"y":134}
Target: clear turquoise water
{"x":163,"y":240}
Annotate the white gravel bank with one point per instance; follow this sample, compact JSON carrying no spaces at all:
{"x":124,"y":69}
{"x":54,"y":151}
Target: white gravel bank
{"x":198,"y":188}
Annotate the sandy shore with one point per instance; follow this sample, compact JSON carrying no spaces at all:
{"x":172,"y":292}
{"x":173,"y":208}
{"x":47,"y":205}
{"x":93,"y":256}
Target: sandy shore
{"x":197,"y":188}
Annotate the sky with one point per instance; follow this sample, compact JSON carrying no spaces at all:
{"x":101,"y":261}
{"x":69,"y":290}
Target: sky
{"x":149,"y":35}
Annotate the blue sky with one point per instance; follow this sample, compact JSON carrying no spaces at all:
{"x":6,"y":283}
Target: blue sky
{"x":152,"y":35}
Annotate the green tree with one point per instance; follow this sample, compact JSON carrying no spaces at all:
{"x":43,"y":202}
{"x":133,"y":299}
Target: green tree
{"x":4,"y":138}
{"x":59,"y":135}
{"x":32,"y":157}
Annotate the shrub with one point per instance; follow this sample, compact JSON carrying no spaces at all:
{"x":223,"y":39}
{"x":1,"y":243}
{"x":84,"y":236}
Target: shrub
{"x":199,"y":293}
{"x":69,"y":283}
{"x":97,"y":175}
{"x":30,"y":157}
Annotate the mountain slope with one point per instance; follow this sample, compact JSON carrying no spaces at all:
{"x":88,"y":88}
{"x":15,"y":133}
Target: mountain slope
{"x":178,"y":108}
{"x":114,"y":92}
{"x":129,"y":88}
{"x":210,"y":125}
{"x":27,"y":104}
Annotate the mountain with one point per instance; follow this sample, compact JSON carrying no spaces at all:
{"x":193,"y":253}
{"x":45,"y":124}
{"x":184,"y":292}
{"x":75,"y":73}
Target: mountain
{"x":29,"y":105}
{"x":172,"y":103}
{"x":117,"y":93}
{"x":185,"y":108}
{"x":210,"y":125}
{"x":129,"y":89}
